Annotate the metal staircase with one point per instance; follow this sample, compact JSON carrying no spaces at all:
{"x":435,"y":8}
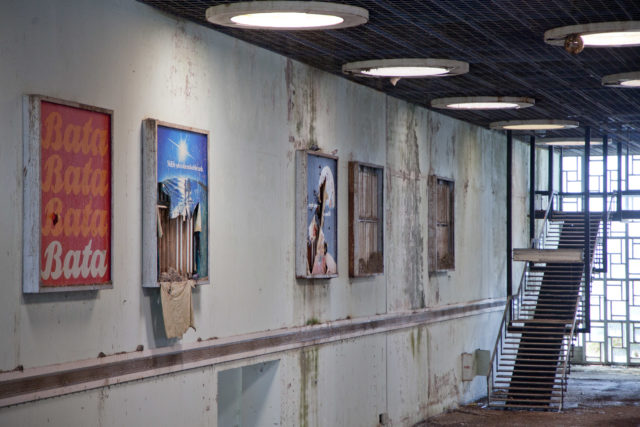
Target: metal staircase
{"x":530,"y":361}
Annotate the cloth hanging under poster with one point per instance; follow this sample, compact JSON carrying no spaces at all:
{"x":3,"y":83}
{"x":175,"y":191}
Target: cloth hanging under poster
{"x":177,"y":307}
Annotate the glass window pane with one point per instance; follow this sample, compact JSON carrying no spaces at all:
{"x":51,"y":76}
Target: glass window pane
{"x":619,"y":355}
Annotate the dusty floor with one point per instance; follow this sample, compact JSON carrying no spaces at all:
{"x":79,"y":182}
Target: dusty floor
{"x":596,"y":396}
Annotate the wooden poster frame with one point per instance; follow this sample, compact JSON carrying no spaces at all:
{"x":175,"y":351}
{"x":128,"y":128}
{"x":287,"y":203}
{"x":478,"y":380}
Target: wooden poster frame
{"x":303,"y":203}
{"x":32,"y":197}
{"x":150,"y":217}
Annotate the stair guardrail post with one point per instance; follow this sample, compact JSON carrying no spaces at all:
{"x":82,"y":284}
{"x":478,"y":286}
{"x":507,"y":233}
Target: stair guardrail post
{"x":587,"y":225}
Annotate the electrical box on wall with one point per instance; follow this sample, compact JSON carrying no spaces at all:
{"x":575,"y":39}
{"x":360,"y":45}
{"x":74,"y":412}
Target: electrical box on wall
{"x":476,"y":363}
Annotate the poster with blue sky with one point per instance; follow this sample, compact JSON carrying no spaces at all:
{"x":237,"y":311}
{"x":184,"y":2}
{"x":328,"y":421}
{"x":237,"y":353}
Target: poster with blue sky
{"x":183,"y":208}
{"x":322,"y":221}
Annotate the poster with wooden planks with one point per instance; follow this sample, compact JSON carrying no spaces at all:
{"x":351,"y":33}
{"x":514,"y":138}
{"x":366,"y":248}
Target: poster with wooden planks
{"x":67,"y":196}
{"x":175,"y":204}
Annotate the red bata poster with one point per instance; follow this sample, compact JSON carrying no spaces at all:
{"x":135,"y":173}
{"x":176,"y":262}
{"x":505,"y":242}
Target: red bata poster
{"x":75,"y":186}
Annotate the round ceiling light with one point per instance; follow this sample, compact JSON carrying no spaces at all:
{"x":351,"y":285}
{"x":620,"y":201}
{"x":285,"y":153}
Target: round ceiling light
{"x":483,"y":103}
{"x":602,"y":34}
{"x":287,"y":15}
{"x":567,"y":142}
{"x":534,"y":125}
{"x":622,"y":80}
{"x":406,"y":68}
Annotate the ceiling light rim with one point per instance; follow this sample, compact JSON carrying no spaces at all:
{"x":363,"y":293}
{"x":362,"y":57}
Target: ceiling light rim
{"x":566,"y":124}
{"x":556,"y":36}
{"x":454,"y":67}
{"x":616,"y":80}
{"x":352,"y":15}
{"x":557,"y":142}
{"x":520,"y":101}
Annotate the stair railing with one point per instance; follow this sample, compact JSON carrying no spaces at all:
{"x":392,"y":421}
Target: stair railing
{"x":566,"y":366}
{"x":513,"y":304}
{"x":540,"y":240}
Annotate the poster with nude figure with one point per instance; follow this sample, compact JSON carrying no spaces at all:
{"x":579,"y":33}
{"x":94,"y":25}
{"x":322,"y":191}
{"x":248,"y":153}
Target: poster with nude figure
{"x":317,"y":245}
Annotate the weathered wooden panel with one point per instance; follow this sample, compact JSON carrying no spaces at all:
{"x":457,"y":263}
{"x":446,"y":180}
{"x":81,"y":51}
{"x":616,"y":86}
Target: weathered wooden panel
{"x":366,"y":211}
{"x":548,"y":255}
{"x":441,"y":224}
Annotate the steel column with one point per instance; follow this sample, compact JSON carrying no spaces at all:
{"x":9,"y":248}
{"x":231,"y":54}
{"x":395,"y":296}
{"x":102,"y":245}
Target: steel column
{"x":619,"y":195}
{"x":605,"y":197}
{"x":550,"y":185}
{"x":532,"y":188}
{"x":587,"y":226}
{"x":509,"y":219}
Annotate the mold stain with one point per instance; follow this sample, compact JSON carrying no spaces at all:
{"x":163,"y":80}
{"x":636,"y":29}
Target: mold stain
{"x":302,"y":103}
{"x":415,"y":337}
{"x":413,"y":229}
{"x":308,"y":386}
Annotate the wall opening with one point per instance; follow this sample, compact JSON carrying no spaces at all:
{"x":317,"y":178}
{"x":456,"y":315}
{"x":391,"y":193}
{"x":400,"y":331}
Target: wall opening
{"x":249,"y":396}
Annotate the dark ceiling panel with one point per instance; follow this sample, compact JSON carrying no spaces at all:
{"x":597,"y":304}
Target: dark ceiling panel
{"x":501,"y":39}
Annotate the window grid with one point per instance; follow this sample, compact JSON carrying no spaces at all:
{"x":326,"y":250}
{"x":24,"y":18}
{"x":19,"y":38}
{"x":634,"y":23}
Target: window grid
{"x":615,"y":296}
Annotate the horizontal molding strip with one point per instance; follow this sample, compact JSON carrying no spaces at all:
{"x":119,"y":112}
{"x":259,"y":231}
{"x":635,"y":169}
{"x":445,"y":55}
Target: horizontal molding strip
{"x":56,"y":380}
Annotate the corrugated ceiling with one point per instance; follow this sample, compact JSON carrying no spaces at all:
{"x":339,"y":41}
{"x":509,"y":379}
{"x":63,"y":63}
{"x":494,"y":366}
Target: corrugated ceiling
{"x":501,"y":39}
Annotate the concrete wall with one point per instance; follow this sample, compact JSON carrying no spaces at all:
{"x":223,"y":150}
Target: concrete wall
{"x":259,"y":108}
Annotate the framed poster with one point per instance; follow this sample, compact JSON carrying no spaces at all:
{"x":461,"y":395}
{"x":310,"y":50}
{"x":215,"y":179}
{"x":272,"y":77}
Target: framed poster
{"x":175,"y":223}
{"x":366,"y":219}
{"x":67,"y":196}
{"x":316,"y":215}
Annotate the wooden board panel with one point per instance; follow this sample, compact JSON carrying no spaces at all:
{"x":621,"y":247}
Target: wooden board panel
{"x":548,"y":255}
{"x":441,"y":224}
{"x":366,"y":226}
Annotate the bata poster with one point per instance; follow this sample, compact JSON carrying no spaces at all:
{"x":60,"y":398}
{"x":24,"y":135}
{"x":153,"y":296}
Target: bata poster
{"x":322,"y":232}
{"x":182,"y":205}
{"x":75,"y":196}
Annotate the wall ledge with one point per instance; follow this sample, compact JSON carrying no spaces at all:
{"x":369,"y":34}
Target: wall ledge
{"x":31,"y":384}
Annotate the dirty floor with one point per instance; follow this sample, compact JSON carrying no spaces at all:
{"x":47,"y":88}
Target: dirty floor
{"x":596,"y":396}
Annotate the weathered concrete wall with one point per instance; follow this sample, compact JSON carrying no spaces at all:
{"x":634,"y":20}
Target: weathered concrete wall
{"x":259,"y":107}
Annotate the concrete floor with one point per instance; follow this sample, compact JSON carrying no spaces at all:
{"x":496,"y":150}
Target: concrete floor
{"x":596,"y":396}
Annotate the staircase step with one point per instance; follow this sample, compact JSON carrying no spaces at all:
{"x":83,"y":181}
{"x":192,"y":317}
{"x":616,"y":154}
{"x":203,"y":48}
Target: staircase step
{"x":554,"y":385}
{"x":512,"y":406}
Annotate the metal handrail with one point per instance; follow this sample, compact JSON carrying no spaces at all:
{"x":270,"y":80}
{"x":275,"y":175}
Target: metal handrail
{"x":509,"y":314}
{"x":536,"y":241}
{"x":566,"y":364}
{"x":508,"y":309}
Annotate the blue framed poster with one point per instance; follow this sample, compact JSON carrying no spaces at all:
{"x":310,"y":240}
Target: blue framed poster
{"x":180,"y":206}
{"x":316,"y":216}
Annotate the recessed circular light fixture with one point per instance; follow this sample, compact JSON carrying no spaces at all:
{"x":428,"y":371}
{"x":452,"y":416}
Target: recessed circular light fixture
{"x":622,"y":80}
{"x":287,"y":15}
{"x":567,"y":142}
{"x":483,"y":102}
{"x":534,"y":125}
{"x":602,"y":34}
{"x":406,"y":68}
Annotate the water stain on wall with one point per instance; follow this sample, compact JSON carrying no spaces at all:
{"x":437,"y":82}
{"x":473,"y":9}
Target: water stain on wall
{"x":308,"y":387}
{"x":302,"y":104}
{"x":412,"y":230}
{"x":187,"y":47}
{"x":443,"y":388}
